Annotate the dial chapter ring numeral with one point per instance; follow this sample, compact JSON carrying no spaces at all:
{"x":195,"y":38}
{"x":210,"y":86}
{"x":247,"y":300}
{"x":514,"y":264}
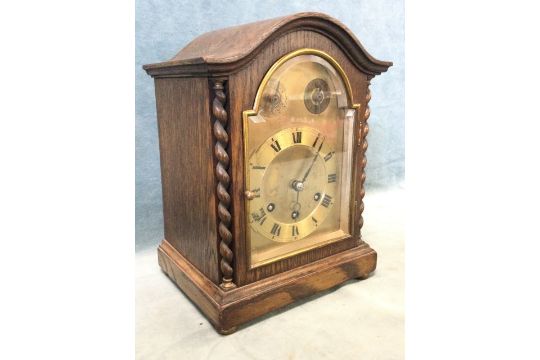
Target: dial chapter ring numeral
{"x":259,"y":163}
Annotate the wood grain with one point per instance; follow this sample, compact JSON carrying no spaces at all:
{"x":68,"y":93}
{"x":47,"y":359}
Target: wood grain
{"x":223,"y":51}
{"x":186,"y":144}
{"x":227,"y":310}
{"x":200,"y":97}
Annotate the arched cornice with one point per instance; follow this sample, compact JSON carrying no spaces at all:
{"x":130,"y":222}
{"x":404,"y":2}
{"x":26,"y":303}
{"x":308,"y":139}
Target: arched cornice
{"x":224,"y":51}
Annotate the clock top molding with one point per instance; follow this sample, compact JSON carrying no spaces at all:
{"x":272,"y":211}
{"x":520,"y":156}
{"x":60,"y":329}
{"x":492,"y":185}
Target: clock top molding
{"x":225,"y":51}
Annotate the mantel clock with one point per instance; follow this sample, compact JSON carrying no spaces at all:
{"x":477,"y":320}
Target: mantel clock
{"x":262,"y":131}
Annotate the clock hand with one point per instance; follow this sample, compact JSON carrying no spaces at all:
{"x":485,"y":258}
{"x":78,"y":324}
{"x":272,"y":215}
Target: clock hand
{"x":275,"y":96}
{"x":296,"y":207}
{"x":277,"y":87}
{"x":313,"y":162}
{"x":294,"y":203}
{"x":297,"y":197}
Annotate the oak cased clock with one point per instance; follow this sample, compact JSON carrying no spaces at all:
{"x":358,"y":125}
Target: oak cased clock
{"x":262,"y":131}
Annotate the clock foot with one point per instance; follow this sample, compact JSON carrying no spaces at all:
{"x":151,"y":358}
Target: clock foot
{"x":226,"y":331}
{"x":363,"y":277}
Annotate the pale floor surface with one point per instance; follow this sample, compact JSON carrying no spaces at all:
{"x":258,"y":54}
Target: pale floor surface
{"x":360,"y":320}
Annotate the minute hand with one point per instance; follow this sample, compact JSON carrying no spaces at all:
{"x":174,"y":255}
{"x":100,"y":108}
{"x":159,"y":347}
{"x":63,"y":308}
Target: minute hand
{"x":313,"y":162}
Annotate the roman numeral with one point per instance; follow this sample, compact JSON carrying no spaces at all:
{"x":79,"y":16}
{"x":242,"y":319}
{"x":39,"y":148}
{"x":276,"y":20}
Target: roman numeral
{"x":326,"y":200}
{"x":260,"y":217}
{"x":315,"y":221}
{"x":328,"y":156}
{"x":275,"y":145}
{"x":276,"y":229}
{"x":258,"y":167}
{"x":295,"y":230}
{"x":297,"y":137}
{"x":332,"y":178}
{"x":317,"y":139}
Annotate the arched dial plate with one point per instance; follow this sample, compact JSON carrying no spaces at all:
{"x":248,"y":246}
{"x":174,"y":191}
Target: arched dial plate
{"x":298,"y":158}
{"x":294,"y":182}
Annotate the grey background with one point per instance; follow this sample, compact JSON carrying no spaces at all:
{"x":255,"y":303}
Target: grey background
{"x":163,"y":27}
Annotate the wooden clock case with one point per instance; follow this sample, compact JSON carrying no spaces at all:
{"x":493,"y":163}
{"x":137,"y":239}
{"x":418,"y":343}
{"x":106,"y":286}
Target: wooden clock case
{"x":200,"y":96}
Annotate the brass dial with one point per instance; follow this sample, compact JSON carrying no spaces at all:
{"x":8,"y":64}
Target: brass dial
{"x":294,"y":179}
{"x":298,"y":153}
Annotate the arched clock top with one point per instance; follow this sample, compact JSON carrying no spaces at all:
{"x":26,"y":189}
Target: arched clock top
{"x":226,"y":50}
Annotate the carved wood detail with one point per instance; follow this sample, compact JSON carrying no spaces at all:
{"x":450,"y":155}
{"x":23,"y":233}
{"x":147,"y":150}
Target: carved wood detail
{"x":364,"y":128}
{"x":220,"y":119}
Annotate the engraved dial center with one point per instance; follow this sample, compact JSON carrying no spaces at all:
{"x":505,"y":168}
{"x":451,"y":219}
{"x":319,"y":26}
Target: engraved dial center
{"x":293,"y":182}
{"x":291,"y":198}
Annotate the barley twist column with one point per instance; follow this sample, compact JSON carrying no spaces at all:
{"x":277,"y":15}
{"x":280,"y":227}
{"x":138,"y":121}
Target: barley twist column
{"x":364,"y":129}
{"x":222,"y":165}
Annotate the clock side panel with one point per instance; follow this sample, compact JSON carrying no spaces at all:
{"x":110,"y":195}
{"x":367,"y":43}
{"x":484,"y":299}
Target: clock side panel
{"x":243,"y":87}
{"x":187,"y":174}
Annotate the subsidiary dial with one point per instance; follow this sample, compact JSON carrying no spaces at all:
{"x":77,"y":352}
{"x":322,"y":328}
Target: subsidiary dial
{"x":317,"y":96}
{"x":275,"y":99}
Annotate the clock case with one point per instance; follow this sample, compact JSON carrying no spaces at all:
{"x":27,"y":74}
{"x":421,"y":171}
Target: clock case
{"x":201,"y":94}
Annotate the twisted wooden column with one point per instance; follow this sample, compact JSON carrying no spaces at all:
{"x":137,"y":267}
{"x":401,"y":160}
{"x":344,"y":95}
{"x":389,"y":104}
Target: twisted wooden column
{"x":220,"y":151}
{"x":364,"y":129}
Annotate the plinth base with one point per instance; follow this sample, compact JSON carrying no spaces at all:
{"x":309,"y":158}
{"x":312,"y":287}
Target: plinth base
{"x":226,"y":310}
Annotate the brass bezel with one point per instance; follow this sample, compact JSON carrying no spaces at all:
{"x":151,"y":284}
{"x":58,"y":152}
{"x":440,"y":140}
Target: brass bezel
{"x":247,"y":113}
